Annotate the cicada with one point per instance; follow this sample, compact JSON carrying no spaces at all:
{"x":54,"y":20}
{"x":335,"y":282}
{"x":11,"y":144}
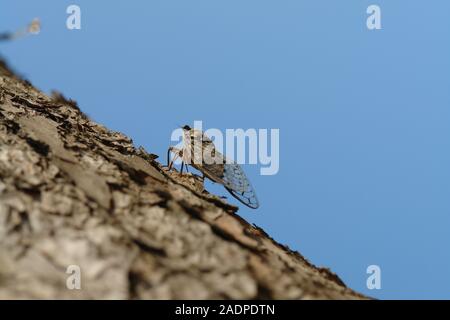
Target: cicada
{"x":199,"y":152}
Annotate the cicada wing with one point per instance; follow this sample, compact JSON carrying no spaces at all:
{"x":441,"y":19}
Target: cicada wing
{"x":237,"y":183}
{"x":224,"y":171}
{"x":232,"y":177}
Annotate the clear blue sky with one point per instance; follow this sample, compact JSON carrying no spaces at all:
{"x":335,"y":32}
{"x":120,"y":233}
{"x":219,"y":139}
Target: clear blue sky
{"x":363,"y":115}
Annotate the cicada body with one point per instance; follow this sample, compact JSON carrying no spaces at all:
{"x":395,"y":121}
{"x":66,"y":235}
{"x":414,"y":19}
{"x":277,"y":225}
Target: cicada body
{"x":199,"y":152}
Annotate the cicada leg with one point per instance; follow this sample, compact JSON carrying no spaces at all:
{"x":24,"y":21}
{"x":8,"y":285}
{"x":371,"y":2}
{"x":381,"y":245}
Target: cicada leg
{"x":178,"y":154}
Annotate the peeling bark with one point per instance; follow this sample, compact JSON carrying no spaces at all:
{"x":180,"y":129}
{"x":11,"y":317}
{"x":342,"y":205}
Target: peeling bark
{"x":73,"y":192}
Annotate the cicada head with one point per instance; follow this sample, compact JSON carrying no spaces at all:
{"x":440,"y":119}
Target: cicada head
{"x":191,"y":135}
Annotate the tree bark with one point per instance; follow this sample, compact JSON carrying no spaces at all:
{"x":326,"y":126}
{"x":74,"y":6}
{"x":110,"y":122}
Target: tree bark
{"x":73,"y":192}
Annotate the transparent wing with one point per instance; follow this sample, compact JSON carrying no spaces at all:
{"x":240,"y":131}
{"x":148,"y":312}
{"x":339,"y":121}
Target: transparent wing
{"x":237,"y":183}
{"x":224,"y":171}
{"x":218,"y":168}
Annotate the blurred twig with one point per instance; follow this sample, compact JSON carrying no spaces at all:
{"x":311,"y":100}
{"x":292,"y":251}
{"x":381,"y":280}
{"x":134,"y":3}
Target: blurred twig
{"x":33,"y":28}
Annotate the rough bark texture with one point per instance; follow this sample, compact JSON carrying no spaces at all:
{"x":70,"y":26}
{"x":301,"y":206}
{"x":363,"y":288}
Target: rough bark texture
{"x":75,"y":193}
